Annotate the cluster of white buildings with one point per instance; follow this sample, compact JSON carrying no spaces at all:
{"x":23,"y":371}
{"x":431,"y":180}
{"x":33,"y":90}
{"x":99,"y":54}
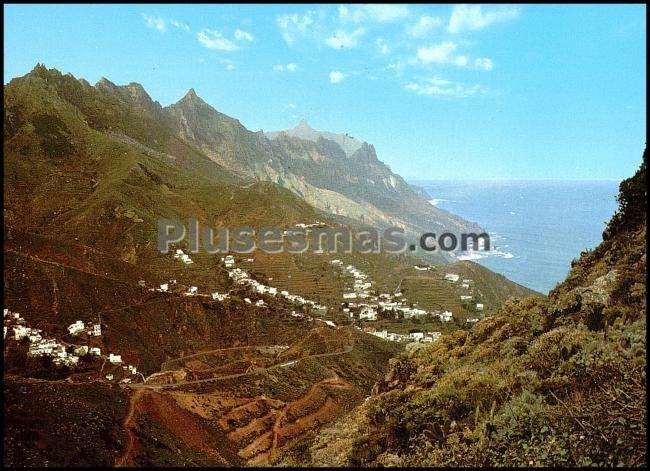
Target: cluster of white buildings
{"x":372,"y":304}
{"x":220,"y":296}
{"x":465,"y":284}
{"x":165,"y":287}
{"x":40,"y":346}
{"x":228,"y":261}
{"x":241,"y":277}
{"x":79,"y":327}
{"x":183,"y":257}
{"x":420,"y":337}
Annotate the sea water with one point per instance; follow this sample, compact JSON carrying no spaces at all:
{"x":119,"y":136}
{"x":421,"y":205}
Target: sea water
{"x":536,"y":227}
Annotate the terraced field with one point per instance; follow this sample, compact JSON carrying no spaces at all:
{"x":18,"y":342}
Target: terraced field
{"x":252,"y":417}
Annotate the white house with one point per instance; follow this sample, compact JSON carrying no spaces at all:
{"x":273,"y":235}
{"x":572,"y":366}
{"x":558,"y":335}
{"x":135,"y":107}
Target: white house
{"x":479,"y":307}
{"x":164,"y":287}
{"x":193,"y":290}
{"x":260,"y":302}
{"x":97,"y":330}
{"x":446,"y":316}
{"x":416,"y":335}
{"x":465,"y":298}
{"x":115,"y":359}
{"x":368,"y":313}
{"x":452,"y":277}
{"x":95,"y":351}
{"x":75,"y":328}
{"x":247,"y":300}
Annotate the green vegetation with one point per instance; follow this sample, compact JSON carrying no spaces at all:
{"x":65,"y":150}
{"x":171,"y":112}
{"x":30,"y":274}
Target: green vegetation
{"x":544,"y":382}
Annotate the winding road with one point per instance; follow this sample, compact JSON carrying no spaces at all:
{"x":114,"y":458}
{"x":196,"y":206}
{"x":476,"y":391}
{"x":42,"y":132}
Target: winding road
{"x":157,"y":387}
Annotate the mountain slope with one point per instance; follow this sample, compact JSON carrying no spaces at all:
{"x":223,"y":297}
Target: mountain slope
{"x":88,"y":172}
{"x":544,"y":382}
{"x":318,"y":166}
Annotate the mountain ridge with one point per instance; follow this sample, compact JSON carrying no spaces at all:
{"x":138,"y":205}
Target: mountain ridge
{"x":360,"y":187}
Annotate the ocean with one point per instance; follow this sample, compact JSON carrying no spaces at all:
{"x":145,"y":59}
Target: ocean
{"x":536,"y":227}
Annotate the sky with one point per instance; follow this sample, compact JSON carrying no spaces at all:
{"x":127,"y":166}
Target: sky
{"x":442,"y":91}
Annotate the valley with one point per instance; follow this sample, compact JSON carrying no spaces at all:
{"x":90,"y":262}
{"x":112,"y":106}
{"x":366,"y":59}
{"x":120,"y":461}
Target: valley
{"x":198,"y":359}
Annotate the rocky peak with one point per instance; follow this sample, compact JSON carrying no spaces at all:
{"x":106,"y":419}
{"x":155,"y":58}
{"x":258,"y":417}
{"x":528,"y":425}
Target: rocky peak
{"x":303,"y":126}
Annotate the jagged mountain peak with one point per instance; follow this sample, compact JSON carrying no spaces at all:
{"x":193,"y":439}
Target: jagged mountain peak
{"x":191,"y":97}
{"x":303,"y":130}
{"x":104,"y":82}
{"x":304,"y":126}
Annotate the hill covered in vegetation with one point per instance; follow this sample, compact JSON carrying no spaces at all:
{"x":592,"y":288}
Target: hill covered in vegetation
{"x":543,"y":382}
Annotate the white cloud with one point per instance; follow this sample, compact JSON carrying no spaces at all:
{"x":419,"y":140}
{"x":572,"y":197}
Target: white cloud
{"x":484,"y":63}
{"x":336,"y":76}
{"x":155,"y":22}
{"x":291,"y":67}
{"x":438,"y":53}
{"x":387,"y":13}
{"x":461,"y":61}
{"x":213,"y":39}
{"x":342,"y":39}
{"x":473,"y":17}
{"x":180,"y":25}
{"x":294,"y":25}
{"x":424,"y":26}
{"x":380,"y":13}
{"x":382,"y":46}
{"x":243,"y":35}
{"x":288,"y":106}
{"x":437,"y":86}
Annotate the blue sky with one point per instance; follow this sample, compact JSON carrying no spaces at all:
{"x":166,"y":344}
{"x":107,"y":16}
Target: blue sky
{"x":442,"y":91}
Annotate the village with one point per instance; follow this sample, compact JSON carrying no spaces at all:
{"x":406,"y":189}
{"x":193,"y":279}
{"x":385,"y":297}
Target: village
{"x":65,"y":353}
{"x":360,"y":304}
